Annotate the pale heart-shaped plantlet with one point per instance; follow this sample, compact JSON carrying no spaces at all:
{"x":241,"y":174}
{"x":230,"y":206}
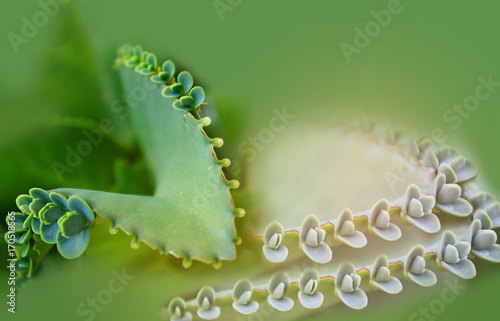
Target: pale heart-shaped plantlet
{"x":177,"y":310}
{"x":485,"y":204}
{"x":484,"y":219}
{"x":417,"y":210}
{"x":494,"y":214}
{"x":272,"y":248}
{"x":278,"y":286}
{"x":345,"y":231}
{"x":448,"y":198}
{"x":308,"y":285}
{"x":347,"y":287}
{"x":483,"y":243}
{"x":480,"y":200}
{"x":242,"y":293}
{"x":379,"y":222}
{"x":462,"y":169}
{"x":447,"y":154}
{"x":312,"y":238}
{"x":414,"y":268}
{"x":429,"y":158}
{"x":205,"y":301}
{"x":448,"y":172}
{"x":452,"y":256}
{"x":450,"y":162}
{"x":381,"y":279}
{"x":470,"y":189}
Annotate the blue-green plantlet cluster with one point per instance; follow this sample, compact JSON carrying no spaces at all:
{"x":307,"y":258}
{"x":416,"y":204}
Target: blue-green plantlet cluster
{"x":50,"y":218}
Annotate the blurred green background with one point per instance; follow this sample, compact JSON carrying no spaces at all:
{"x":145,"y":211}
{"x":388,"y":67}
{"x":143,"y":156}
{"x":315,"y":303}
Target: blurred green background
{"x":251,"y":57}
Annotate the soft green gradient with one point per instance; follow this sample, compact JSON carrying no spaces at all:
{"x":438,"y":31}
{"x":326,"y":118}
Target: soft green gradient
{"x":263,"y":55}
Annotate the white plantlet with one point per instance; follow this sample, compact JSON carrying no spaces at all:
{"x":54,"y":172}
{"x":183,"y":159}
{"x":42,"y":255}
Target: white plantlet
{"x":278,"y":286}
{"x":381,"y":279}
{"x":312,"y":238}
{"x":242,"y":294}
{"x":452,"y":256}
{"x":347,"y":289}
{"x":345,"y":232}
{"x":272,"y":248}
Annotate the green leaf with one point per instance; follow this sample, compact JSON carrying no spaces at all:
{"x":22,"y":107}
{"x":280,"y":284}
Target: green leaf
{"x":191,"y":214}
